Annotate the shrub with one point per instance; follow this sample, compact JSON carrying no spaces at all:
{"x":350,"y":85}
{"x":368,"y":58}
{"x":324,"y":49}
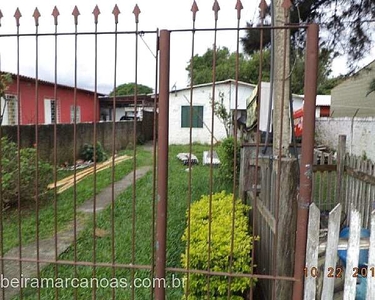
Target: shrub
{"x":226,"y":155}
{"x":87,"y":152}
{"x":221,"y":224}
{"x":27,"y":170}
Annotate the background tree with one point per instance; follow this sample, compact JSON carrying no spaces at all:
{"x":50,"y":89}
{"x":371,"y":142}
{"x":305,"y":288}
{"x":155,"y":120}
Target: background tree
{"x":128,"y":89}
{"x":346,"y":25}
{"x":249,"y":68}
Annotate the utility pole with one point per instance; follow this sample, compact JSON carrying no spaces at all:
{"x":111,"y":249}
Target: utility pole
{"x":285,"y":167}
{"x":281,"y":120}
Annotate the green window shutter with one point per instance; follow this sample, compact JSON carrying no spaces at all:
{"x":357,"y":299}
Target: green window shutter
{"x":197,"y":117}
{"x":185,"y":116}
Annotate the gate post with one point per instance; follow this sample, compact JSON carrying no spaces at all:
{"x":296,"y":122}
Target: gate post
{"x":305,"y":193}
{"x":162,"y":172}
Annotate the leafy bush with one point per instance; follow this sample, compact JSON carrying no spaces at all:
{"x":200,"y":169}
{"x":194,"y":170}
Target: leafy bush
{"x":221,"y":224}
{"x":27,"y":170}
{"x":226,"y":155}
{"x":87,"y":152}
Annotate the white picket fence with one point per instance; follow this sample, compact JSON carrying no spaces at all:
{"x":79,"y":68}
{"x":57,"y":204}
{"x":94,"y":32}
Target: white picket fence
{"x":322,"y":272}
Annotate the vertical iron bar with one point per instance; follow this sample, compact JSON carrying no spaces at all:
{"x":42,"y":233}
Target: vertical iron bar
{"x":304,"y":199}
{"x":134,"y":155}
{"x":37,"y":151}
{"x":154,"y":163}
{"x":56,"y":267}
{"x":234,"y":155}
{"x":257,"y":141}
{"x":2,"y":203}
{"x":190,"y":179}
{"x":74,"y":152}
{"x":19,"y":159}
{"x":95,"y":155}
{"x":216,"y":9}
{"x":113,"y":250}
{"x":162,"y":200}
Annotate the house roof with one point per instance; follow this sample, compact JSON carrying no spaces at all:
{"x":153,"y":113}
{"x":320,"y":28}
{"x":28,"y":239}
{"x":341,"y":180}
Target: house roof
{"x":32,"y":80}
{"x":348,"y":77}
{"x":323,"y":100}
{"x":227,"y":81}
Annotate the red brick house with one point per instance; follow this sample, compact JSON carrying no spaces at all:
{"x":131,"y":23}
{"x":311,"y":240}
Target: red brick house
{"x":61,"y":109}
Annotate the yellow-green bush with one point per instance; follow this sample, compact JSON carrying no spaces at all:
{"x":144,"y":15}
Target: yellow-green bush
{"x":221,"y":225}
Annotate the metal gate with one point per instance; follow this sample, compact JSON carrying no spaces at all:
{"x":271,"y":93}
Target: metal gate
{"x":115,"y":230}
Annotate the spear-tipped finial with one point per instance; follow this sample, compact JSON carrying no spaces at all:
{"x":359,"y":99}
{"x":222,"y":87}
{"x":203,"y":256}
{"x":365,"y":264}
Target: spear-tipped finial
{"x":75,"y":13}
{"x":216,"y":8}
{"x":116,"y":12}
{"x":17,"y":15}
{"x":263,"y":8}
{"x":1,"y":15}
{"x":239,"y":7}
{"x":55,"y":14}
{"x":96,"y":13}
{"x":194,"y":9}
{"x":287,"y":4}
{"x":36,"y":16}
{"x":136,"y":12}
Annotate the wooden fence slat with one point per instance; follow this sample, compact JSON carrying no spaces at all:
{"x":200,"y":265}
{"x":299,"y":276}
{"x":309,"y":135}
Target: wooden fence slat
{"x":331,"y":253}
{"x":352,"y":255}
{"x":312,"y":251}
{"x":371,"y":261}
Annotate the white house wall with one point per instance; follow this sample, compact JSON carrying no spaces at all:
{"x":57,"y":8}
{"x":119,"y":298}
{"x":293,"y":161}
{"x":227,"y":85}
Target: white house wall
{"x":202,"y":97}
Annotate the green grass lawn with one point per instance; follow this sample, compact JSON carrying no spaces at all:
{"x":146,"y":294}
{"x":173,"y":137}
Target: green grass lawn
{"x":123,"y":218}
{"x":65,"y":207}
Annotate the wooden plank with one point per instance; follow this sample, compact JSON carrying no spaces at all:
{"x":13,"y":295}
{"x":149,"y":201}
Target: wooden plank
{"x":312,"y":251}
{"x":331,"y":253}
{"x":340,"y":167}
{"x":324,"y":168}
{"x":321,"y":181}
{"x":360,"y":175}
{"x":352,"y":255}
{"x":329,"y":196}
{"x":371,"y":261}
{"x":267,"y":215}
{"x":347,"y":186}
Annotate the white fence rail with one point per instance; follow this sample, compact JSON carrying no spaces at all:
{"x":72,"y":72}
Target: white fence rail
{"x":325,"y":277}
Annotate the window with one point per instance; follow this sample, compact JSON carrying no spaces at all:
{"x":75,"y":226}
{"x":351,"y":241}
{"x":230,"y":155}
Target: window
{"x":78,"y":114}
{"x":12,"y":109}
{"x":197,"y":117}
{"x":50,"y":111}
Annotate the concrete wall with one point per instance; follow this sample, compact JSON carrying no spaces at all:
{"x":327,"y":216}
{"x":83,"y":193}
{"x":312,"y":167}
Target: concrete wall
{"x":360,"y":133}
{"x":350,"y":95}
{"x":85,"y":134}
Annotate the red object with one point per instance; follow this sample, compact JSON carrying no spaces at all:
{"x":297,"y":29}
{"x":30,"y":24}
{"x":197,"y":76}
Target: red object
{"x":298,"y":119}
{"x":65,"y":101}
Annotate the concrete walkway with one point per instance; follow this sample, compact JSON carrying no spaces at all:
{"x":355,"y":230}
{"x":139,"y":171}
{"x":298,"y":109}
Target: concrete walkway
{"x":65,"y":238}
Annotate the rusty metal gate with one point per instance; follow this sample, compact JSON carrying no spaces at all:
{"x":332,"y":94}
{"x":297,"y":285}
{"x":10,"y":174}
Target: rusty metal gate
{"x":115,"y":230}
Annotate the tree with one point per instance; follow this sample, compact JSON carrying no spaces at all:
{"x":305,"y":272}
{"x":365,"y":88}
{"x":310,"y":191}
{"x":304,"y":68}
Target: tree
{"x":346,"y":25}
{"x":249,"y":68}
{"x":226,"y":66}
{"x":5,"y":81}
{"x":129,"y":88}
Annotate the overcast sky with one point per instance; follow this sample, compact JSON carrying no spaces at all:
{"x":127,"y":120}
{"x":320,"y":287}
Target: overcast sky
{"x":162,"y":14}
